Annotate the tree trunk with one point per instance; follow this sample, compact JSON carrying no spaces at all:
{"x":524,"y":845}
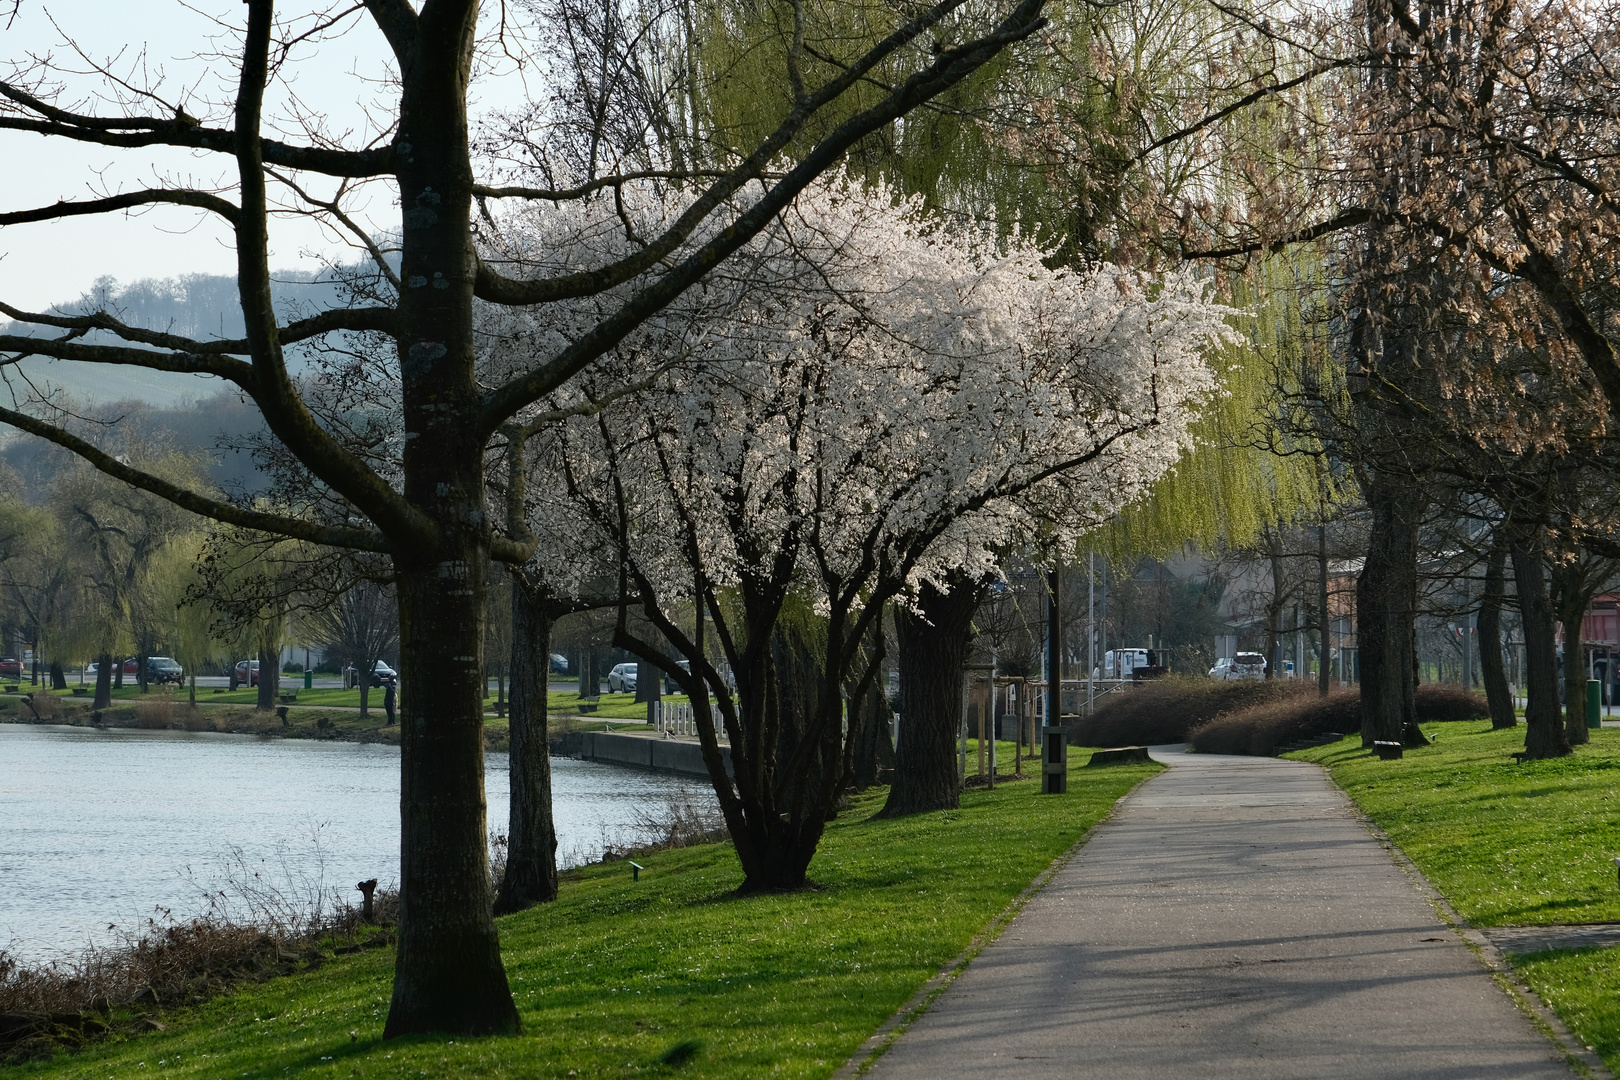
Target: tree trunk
{"x":58,"y":676}
{"x":531,"y":842}
{"x":1544,"y":734}
{"x":932,"y":648}
{"x":140,"y":671}
{"x":117,"y":675}
{"x":1498,"y":696}
{"x":447,"y":973}
{"x":649,"y":683}
{"x":1570,"y":608}
{"x":269,"y":669}
{"x":104,"y":678}
{"x":365,"y":692}
{"x":799,"y":689}
{"x":1386,"y":607}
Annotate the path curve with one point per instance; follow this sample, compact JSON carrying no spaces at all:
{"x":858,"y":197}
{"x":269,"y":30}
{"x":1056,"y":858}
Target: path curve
{"x":1233,"y":919}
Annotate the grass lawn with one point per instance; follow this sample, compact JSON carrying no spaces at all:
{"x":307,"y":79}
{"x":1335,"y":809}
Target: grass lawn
{"x":1510,"y":845}
{"x":615,"y":973}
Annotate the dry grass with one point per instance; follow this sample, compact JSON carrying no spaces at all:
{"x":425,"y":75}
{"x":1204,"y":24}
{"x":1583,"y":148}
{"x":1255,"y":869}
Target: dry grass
{"x":1260,"y":729}
{"x":1168,"y":709}
{"x":253,"y":930}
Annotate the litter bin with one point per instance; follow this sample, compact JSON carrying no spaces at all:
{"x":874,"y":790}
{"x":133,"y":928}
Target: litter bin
{"x":309,"y":679}
{"x":1594,"y":703}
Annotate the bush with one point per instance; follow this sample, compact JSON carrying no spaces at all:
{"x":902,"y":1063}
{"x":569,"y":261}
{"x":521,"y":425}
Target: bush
{"x":1166,"y":710}
{"x":1259,"y":730}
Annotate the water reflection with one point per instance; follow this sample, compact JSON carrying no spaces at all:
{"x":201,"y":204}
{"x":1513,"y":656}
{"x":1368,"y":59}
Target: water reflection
{"x":103,"y":827}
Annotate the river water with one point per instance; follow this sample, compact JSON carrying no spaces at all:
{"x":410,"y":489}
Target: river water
{"x":102,"y":830}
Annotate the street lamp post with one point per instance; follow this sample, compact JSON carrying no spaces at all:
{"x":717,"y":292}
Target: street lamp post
{"x":1054,"y":744}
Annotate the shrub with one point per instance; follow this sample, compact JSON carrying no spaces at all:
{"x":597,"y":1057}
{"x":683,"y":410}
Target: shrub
{"x":1259,"y":730}
{"x":1166,"y":710}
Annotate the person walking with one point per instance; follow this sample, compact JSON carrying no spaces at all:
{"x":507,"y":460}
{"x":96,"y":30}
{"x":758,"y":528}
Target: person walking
{"x":390,"y":699}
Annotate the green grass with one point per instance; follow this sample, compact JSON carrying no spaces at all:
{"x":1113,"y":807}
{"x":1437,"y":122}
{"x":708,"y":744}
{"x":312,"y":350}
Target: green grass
{"x":1509,"y":845}
{"x":617,"y":978}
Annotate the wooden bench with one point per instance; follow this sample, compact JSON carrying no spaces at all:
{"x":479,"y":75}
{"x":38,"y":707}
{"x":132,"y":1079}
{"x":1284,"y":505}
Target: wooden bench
{"x":1388,"y":751}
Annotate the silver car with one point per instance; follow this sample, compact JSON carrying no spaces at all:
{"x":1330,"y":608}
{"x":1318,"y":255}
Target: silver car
{"x":622,"y":679}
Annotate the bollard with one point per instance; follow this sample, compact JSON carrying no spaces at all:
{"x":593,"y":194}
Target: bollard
{"x":1594,"y":703}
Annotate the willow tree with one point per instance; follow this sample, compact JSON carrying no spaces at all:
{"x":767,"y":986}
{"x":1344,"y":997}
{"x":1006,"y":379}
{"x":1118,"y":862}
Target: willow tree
{"x":429,"y":517}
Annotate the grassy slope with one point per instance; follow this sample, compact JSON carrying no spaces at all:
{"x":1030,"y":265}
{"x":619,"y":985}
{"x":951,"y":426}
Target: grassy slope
{"x":615,"y":973}
{"x":1508,"y":844}
{"x":1511,"y":844}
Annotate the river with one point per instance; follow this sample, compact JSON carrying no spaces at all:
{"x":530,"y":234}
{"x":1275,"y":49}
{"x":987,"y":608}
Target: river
{"x":102,"y":829}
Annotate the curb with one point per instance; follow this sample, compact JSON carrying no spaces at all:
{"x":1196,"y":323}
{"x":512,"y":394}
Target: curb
{"x":1582,"y":1061}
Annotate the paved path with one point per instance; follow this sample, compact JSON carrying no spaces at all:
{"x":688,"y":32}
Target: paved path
{"x":1233,"y":920}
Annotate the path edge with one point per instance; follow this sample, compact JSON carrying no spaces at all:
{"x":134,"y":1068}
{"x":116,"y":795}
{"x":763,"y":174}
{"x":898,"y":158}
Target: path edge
{"x":867,"y":1054}
{"x":1583,"y":1062}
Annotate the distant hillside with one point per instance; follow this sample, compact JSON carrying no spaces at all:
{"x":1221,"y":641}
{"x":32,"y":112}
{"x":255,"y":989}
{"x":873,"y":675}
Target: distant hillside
{"x":199,"y":306}
{"x":205,"y":424}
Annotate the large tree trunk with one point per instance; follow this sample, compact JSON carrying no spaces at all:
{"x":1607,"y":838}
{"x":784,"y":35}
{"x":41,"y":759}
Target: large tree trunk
{"x":269,"y":672}
{"x":1571,"y":600}
{"x":932,"y":647}
{"x":1386,"y":607}
{"x":104,"y":677}
{"x":800,"y":736}
{"x":58,"y":676}
{"x":1498,"y":696}
{"x":531,"y":832}
{"x":447,"y":974}
{"x":1544,"y":734}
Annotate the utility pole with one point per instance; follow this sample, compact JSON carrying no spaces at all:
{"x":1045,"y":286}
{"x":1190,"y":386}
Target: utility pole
{"x":1091,"y":630}
{"x":1054,"y":745}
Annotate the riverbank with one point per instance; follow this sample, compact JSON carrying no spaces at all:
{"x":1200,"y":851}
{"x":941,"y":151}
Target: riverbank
{"x":618,"y":972}
{"x":159,"y":712}
{"x":1510,"y":845}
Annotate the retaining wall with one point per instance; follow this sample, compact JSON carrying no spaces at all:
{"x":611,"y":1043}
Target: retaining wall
{"x":660,"y":755}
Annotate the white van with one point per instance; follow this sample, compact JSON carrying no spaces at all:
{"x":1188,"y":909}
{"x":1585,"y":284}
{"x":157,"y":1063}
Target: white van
{"x":1122,"y":663}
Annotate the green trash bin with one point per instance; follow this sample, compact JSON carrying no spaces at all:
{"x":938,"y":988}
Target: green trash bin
{"x":1594,"y":703}
{"x":309,"y":679}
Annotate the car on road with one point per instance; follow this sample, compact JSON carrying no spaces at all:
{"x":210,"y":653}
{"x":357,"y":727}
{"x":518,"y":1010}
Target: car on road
{"x":1245,"y":665}
{"x":559,"y":664}
{"x":669,"y":684}
{"x":622,"y":679}
{"x":163,"y":669}
{"x":245,"y":673}
{"x":10,"y":668}
{"x":382,"y":674}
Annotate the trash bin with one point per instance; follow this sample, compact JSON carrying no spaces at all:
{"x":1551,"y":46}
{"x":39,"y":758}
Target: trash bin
{"x":309,"y":679}
{"x":1594,"y":703}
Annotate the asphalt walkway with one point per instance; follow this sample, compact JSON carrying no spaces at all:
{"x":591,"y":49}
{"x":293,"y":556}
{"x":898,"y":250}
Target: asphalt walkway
{"x":1233,"y":919}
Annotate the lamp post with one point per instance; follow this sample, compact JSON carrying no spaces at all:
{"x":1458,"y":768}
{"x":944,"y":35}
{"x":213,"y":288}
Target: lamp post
{"x":1054,"y":744}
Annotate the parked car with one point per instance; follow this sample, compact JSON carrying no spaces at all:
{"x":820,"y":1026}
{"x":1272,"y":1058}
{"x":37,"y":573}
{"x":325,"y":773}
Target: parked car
{"x":559,"y":664}
{"x":1245,"y":665}
{"x":246,"y":672}
{"x":669,"y":684}
{"x":622,"y":679}
{"x":382,"y":674}
{"x":10,"y":668}
{"x":162,"y":669}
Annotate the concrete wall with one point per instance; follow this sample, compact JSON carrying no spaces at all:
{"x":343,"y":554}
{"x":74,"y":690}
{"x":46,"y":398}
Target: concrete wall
{"x":660,"y":755}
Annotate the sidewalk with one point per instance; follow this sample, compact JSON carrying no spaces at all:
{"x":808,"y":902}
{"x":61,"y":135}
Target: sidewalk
{"x":1233,"y":920}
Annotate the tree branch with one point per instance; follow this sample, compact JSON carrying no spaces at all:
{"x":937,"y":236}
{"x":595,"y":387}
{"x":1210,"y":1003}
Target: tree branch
{"x":296,"y":528}
{"x":1344,"y":219}
{"x":497,"y":288}
{"x":950,"y":67}
{"x":187,"y":363}
{"x":182,"y":130}
{"x":380,"y":319}
{"x":148,"y":197}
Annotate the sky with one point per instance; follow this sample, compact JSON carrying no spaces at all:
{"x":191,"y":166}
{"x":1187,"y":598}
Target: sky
{"x":185,"y":49}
